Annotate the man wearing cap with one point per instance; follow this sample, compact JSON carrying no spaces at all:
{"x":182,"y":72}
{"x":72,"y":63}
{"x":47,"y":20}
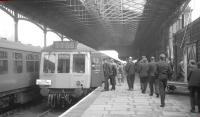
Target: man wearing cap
{"x":163,"y":73}
{"x":114,"y":74}
{"x":130,"y":72}
{"x":107,"y":72}
{"x":153,"y":81}
{"x":143,"y":73}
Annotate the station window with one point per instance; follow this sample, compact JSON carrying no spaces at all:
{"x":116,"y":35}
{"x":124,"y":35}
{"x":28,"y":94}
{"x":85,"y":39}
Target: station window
{"x":63,"y":63}
{"x":79,"y":63}
{"x":18,"y":64}
{"x":49,"y":64}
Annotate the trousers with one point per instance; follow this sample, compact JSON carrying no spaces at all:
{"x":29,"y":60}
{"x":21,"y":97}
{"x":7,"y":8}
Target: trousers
{"x":153,"y":85}
{"x":130,"y":80}
{"x":113,"y":81}
{"x":193,"y":90}
{"x":106,"y":87}
{"x":144,"y":83}
{"x":162,"y":87}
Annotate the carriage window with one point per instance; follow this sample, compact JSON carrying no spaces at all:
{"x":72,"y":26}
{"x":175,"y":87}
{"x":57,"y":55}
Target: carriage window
{"x":63,"y":63}
{"x":37,"y":67}
{"x":79,"y":63}
{"x":3,"y":62}
{"x":18,"y":64}
{"x":30,"y":66}
{"x":49,"y":64}
{"x":3,"y":66}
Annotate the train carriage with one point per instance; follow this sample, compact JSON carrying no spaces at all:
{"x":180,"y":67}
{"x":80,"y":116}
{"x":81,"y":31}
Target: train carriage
{"x":69,"y":69}
{"x":19,"y":68}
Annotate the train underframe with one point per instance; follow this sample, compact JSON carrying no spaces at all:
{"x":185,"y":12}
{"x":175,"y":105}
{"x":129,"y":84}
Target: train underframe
{"x":10,"y":99}
{"x":65,"y":97}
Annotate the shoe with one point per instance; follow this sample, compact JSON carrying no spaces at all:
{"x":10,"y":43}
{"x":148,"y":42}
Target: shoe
{"x":104,"y":90}
{"x":162,"y":105}
{"x":157,"y":95}
{"x":192,"y":111}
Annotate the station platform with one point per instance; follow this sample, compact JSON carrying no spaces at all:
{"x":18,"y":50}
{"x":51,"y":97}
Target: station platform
{"x":124,"y":103}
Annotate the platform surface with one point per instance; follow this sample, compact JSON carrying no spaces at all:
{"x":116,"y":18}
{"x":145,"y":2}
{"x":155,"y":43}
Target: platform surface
{"x":124,"y":103}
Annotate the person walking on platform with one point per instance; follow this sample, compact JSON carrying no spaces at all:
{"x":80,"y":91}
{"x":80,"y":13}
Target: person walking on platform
{"x":194,"y":86}
{"x":163,"y":73}
{"x":130,"y":72}
{"x":143,"y":73}
{"x":113,"y":74}
{"x":119,"y":73}
{"x":107,"y":73}
{"x":153,"y":80}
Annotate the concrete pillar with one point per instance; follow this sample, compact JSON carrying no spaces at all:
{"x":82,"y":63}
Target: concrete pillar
{"x":171,"y":48}
{"x":185,"y":63}
{"x":16,"y":26}
{"x":45,"y":36}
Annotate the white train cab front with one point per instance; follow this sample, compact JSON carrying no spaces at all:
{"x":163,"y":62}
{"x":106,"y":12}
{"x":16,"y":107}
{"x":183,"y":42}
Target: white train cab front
{"x":62,"y":70}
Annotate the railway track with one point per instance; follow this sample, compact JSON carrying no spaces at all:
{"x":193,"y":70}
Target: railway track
{"x":45,"y":113}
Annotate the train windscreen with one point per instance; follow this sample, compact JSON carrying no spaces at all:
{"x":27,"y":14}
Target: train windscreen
{"x":49,"y":64}
{"x":63,"y":63}
{"x":79,"y":63}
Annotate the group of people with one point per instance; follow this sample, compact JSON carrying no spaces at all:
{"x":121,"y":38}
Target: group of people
{"x":154,"y":73}
{"x":110,"y":73}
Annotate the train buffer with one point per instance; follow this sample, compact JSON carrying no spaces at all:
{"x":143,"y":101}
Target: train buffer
{"x":124,"y":103}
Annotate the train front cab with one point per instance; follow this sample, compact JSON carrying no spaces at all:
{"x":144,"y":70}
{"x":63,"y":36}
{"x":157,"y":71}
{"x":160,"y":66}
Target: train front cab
{"x":64,"y":70}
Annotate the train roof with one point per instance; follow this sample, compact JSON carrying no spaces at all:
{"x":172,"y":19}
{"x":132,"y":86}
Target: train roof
{"x":68,"y":46}
{"x":18,"y":46}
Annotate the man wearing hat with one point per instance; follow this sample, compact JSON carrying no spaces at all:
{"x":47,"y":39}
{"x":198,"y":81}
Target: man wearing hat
{"x":163,"y":72}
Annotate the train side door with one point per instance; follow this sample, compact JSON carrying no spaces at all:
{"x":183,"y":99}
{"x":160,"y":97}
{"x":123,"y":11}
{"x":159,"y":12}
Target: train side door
{"x":96,"y":70}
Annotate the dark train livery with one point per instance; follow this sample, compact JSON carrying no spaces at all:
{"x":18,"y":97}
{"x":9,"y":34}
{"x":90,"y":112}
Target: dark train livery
{"x":68,"y":70}
{"x":19,"y":68}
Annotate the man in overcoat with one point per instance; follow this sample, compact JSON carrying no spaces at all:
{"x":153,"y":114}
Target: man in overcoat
{"x":194,"y":87}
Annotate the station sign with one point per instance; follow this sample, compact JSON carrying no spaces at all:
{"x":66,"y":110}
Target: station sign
{"x":65,"y":44}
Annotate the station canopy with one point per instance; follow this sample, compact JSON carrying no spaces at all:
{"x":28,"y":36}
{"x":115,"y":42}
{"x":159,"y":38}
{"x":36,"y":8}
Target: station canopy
{"x":123,"y":25}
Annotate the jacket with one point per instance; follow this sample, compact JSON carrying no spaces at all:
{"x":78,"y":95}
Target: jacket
{"x":194,"y":78}
{"x":143,"y":69}
{"x":107,"y":69}
{"x":152,"y":68}
{"x":163,"y":70}
{"x":130,"y":68}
